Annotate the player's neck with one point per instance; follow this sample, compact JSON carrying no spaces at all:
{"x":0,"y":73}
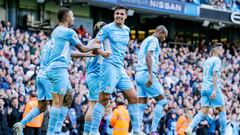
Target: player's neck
{"x":154,"y":34}
{"x":119,"y":24}
{"x":215,"y":55}
{"x":65,"y":24}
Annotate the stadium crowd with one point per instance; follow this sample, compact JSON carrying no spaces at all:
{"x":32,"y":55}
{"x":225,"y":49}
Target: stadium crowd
{"x":180,"y":73}
{"x":233,"y":5}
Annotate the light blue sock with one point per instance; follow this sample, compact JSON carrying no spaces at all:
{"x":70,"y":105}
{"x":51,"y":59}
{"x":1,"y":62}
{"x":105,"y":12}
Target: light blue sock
{"x":61,"y":118}
{"x":157,"y":114}
{"x":223,"y":122}
{"x":196,"y":120}
{"x":87,"y":126}
{"x":133,"y":112}
{"x":54,"y":115}
{"x":31,"y":115}
{"x":141,"y":109}
{"x":96,"y":117}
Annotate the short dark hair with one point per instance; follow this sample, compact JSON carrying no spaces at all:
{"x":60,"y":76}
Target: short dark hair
{"x":62,"y":13}
{"x":120,"y":7}
{"x":33,"y":94}
{"x":13,"y":99}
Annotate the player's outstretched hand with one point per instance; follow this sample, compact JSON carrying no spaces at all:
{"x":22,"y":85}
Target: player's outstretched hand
{"x":213,"y":95}
{"x":149,"y":82}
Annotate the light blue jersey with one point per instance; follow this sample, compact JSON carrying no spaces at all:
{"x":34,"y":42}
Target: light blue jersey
{"x":149,"y":44}
{"x":93,"y":72}
{"x":211,"y":65}
{"x":93,"y":63}
{"x":112,"y":72}
{"x":44,"y":58}
{"x":42,"y":82}
{"x":65,"y":39}
{"x":118,"y":38}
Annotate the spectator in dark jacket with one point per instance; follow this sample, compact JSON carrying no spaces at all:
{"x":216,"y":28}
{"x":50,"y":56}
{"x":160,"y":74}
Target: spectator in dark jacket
{"x":147,"y":119}
{"x":16,"y":112}
{"x":79,"y":100}
{"x":211,"y":120}
{"x":3,"y":118}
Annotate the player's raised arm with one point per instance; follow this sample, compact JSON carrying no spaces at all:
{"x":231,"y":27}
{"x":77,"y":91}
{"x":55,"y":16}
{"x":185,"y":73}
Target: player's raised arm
{"x":83,"y":48}
{"x":101,"y":37}
{"x":77,"y":54}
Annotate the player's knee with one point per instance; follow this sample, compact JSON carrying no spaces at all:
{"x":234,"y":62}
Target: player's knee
{"x":56,"y":100}
{"x":133,"y":100}
{"x":56,"y":103}
{"x":142,"y":100}
{"x":104,"y":98}
{"x":159,"y":98}
{"x":88,"y":115}
{"x":220,"y":109}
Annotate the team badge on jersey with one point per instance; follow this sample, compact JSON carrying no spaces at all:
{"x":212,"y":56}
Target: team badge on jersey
{"x":62,"y":90}
{"x":100,"y":32}
{"x":75,"y":36}
{"x":108,"y":88}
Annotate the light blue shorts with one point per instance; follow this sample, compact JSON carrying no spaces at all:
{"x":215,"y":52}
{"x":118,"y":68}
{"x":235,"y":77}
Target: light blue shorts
{"x":206,"y":101}
{"x":144,"y":91}
{"x":92,"y":83}
{"x":43,"y":85}
{"x":59,"y":78}
{"x":112,"y":77}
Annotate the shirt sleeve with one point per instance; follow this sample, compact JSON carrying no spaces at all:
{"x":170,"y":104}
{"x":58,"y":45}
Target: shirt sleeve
{"x":152,"y":45}
{"x":217,"y":65}
{"x":106,"y":45}
{"x":102,"y":34}
{"x":74,"y":40}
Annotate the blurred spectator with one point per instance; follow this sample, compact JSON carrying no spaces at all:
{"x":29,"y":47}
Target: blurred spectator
{"x":107,"y":129}
{"x":8,"y":27}
{"x":120,"y":119}
{"x":183,"y":121}
{"x":202,"y":128}
{"x":79,"y":100}
{"x":147,"y":120}
{"x":171,"y":124}
{"x":4,"y":118}
{"x":34,"y":126}
{"x":71,"y":122}
{"x":66,"y":128}
{"x":80,"y":120}
{"x":81,"y":30}
{"x":15,"y":113}
{"x":211,"y":120}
